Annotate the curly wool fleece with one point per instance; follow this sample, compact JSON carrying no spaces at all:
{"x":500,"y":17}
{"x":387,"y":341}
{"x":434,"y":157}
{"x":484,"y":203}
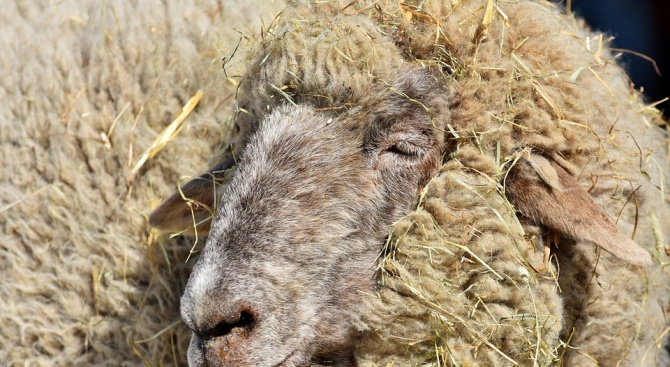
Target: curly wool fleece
{"x":463,"y":282}
{"x":81,"y":287}
{"x":86,"y":86}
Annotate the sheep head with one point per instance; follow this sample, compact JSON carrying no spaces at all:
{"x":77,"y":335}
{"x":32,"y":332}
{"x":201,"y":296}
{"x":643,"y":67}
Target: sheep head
{"x":293,"y":245}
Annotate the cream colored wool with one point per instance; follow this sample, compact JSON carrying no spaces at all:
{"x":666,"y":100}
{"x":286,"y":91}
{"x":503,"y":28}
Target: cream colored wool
{"x":464,"y":307}
{"x":531,"y":78}
{"x":82,"y":282}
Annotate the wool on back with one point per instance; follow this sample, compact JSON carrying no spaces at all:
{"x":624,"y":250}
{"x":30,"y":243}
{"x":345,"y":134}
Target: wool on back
{"x":86,"y":86}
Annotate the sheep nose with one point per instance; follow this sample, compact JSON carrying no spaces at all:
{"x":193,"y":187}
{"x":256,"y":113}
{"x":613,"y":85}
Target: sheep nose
{"x":242,"y":323}
{"x":225,"y":342}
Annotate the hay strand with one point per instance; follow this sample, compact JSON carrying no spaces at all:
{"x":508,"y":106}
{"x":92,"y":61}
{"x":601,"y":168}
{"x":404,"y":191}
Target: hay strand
{"x":169,"y":133}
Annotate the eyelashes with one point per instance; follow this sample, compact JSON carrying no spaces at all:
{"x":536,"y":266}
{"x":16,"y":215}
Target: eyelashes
{"x":406,"y":148}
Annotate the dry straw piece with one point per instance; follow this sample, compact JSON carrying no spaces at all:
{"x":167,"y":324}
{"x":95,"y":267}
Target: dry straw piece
{"x":167,"y":134}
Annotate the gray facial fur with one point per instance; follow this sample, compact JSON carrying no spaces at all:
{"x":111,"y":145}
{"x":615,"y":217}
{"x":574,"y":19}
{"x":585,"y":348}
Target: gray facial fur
{"x":293,"y":246}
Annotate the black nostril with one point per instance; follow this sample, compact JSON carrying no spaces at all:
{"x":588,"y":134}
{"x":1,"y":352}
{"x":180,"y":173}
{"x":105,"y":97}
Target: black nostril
{"x":244,"y":322}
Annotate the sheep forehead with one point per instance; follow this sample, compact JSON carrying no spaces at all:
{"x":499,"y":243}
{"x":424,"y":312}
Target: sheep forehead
{"x":299,"y":155}
{"x":298,"y":136}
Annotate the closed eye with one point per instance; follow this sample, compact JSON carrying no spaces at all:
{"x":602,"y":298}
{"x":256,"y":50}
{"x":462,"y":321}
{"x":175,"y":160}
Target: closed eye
{"x":406,"y":148}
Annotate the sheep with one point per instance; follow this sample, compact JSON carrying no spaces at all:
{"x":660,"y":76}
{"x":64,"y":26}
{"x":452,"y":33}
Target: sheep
{"x":86,"y":283}
{"x":85,"y":88}
{"x":547,"y":156}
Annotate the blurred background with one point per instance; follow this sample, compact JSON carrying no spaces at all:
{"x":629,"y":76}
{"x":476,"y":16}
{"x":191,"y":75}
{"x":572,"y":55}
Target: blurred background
{"x":641,"y":26}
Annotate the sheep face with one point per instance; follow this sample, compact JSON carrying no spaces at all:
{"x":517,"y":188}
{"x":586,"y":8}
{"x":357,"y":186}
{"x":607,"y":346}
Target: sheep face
{"x":292,"y":248}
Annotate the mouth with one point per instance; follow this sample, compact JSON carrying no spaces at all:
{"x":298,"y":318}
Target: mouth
{"x":340,"y":358}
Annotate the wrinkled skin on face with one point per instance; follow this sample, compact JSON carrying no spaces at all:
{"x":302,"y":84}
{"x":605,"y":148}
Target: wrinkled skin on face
{"x":294,"y":242}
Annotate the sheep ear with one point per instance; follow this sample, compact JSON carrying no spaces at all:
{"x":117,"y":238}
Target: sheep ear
{"x":193,"y":205}
{"x":548,"y":194}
